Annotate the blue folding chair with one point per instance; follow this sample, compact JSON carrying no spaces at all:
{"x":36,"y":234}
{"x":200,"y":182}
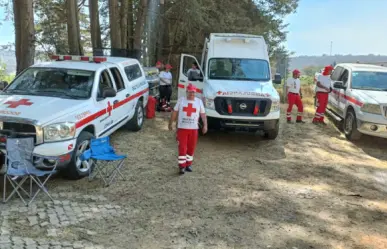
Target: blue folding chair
{"x":19,"y":166}
{"x":105,"y":162}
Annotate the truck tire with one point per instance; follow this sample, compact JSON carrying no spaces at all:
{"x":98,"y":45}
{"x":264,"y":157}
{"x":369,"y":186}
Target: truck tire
{"x":350,"y":126}
{"x":272,"y":134}
{"x":76,"y":170}
{"x":137,"y":121}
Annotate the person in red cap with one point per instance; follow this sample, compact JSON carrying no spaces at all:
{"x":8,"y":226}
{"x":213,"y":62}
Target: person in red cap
{"x":322,"y":93}
{"x":159,"y":65}
{"x":293,"y":90}
{"x":165,"y":88}
{"x":188,"y":110}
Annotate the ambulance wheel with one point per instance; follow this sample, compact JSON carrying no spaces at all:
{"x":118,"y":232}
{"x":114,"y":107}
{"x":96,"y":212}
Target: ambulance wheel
{"x":272,"y":134}
{"x":136,"y":123}
{"x":350,"y":126}
{"x":76,"y":169}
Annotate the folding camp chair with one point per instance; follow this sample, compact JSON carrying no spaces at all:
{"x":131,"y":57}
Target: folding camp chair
{"x":104,"y":160}
{"x":19,"y":168}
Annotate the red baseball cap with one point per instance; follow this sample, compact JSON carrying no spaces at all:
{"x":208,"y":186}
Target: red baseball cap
{"x":295,"y":71}
{"x":191,"y":88}
{"x":168,"y":66}
{"x":158,"y":63}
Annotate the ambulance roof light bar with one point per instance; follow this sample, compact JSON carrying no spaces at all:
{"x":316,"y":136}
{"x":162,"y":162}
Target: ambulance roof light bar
{"x":95,"y":59}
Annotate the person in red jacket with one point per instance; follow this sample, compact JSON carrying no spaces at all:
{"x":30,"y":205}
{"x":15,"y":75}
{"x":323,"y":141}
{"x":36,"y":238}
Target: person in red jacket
{"x":322,"y":93}
{"x":188,"y":110}
{"x":293,"y":90}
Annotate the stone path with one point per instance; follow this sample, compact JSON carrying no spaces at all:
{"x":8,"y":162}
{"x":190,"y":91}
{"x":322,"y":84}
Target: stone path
{"x":46,"y":224}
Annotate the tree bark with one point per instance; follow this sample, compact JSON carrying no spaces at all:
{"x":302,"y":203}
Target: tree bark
{"x":124,"y":23}
{"x":95,"y":28}
{"x":73,"y":32}
{"x":114,"y":19}
{"x":24,"y":34}
{"x":130,"y":24}
{"x":139,"y":28}
{"x":160,"y":36}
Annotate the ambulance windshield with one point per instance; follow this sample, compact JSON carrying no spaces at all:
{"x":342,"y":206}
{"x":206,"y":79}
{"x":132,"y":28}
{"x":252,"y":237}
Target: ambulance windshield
{"x":53,"y":82}
{"x":366,"y":80}
{"x":239,"y":69}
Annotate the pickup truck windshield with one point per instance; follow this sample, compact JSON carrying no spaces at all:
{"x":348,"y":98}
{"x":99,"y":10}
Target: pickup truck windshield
{"x":239,"y":69}
{"x":53,"y":82}
{"x":364,"y":80}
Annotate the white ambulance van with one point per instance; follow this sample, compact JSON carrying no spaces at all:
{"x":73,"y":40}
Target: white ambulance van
{"x":236,"y":83}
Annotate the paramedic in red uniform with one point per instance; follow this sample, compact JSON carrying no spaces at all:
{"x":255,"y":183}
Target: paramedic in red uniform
{"x":293,"y":90}
{"x":322,"y":93}
{"x":188,"y":110}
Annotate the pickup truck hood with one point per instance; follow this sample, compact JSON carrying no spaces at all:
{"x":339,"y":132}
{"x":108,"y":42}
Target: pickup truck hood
{"x":248,"y":89}
{"x":40,"y":108}
{"x":377,"y":97}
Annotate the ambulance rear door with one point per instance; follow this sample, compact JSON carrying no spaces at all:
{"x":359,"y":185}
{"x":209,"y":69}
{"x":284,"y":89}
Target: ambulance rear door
{"x":186,"y":61}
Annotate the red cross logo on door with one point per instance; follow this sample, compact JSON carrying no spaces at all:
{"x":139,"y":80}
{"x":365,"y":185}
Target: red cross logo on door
{"x":109,"y":108}
{"x":189,"y":110}
{"x":14,"y":104}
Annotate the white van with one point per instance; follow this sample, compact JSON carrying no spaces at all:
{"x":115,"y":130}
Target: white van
{"x":236,"y":84}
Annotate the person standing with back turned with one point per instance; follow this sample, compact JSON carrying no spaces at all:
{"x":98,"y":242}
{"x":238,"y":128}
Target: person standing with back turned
{"x":322,"y":93}
{"x":188,"y":110}
{"x":293,"y":90}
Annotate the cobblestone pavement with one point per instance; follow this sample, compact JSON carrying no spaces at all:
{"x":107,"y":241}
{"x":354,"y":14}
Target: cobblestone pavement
{"x":50,"y":222}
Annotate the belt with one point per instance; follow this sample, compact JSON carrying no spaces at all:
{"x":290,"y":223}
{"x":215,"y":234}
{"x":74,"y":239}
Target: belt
{"x":294,"y":93}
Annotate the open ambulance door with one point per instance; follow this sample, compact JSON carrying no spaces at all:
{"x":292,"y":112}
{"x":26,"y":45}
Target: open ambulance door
{"x":186,"y":61}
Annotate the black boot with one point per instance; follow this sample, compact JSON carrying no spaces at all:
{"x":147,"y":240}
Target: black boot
{"x":181,"y":171}
{"x":189,"y":168}
{"x":300,"y":121}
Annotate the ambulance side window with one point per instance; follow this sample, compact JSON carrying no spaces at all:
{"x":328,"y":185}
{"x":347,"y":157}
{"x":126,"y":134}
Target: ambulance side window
{"x":344,"y":77}
{"x":117,"y":78}
{"x":104,"y":82}
{"x":336,"y":73}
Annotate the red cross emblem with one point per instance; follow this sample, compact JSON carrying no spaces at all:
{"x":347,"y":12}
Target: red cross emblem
{"x":219,"y":92}
{"x":14,"y":104}
{"x":189,"y":109}
{"x":109,"y":108}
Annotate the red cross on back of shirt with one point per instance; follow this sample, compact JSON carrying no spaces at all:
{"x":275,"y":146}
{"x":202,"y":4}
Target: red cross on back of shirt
{"x":189,"y":110}
{"x":14,"y":104}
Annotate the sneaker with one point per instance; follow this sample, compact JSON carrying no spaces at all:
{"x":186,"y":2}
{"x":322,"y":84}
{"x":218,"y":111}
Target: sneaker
{"x":289,"y":121}
{"x":189,"y":168}
{"x":300,"y":121}
{"x":181,"y":171}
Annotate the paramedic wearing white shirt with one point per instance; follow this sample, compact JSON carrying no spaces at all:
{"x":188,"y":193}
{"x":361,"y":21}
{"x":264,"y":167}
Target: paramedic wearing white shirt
{"x":322,"y":93}
{"x":188,"y":110}
{"x":293,"y":90}
{"x":166,"y":85}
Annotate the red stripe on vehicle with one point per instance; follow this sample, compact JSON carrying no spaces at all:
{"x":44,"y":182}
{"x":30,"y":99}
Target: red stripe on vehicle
{"x":98,"y":114}
{"x":197,"y":90}
{"x":350,"y":99}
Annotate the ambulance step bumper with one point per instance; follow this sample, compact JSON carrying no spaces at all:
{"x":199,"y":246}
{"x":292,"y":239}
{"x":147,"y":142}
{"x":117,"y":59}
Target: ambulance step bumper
{"x":242,"y":124}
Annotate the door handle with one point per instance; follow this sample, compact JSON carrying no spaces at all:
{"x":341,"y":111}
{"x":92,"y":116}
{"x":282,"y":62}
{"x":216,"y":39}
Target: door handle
{"x":127,"y":95}
{"x":182,"y":80}
{"x":115,"y":101}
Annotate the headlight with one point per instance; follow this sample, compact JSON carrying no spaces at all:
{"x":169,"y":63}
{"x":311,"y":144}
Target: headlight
{"x":59,"y":132}
{"x":371,"y":108}
{"x":209,"y":103}
{"x":275,"y":106}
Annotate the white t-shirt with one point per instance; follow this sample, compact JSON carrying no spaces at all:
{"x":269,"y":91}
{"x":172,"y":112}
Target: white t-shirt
{"x":167,"y":76}
{"x":189,"y":113}
{"x":294,"y":85}
{"x":325,"y":80}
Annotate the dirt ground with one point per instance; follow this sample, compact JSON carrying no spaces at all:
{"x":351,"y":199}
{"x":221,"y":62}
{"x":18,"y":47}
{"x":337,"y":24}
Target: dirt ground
{"x":309,"y":188}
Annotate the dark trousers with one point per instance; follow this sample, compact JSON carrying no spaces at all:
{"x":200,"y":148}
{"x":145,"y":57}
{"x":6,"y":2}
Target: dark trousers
{"x":165,"y":93}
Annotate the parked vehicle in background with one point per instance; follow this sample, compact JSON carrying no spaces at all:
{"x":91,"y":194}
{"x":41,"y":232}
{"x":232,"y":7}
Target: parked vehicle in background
{"x":236,"y":83}
{"x":66,"y":102}
{"x":359,"y":99}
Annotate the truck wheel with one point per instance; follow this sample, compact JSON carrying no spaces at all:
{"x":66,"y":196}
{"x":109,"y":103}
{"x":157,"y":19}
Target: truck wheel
{"x":350,"y":126}
{"x":135,"y":124}
{"x":76,"y":169}
{"x":272,"y":134}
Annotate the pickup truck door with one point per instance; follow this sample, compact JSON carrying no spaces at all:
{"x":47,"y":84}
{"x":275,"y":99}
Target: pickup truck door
{"x":105,"y":105}
{"x":342,"y":100}
{"x":122,"y":108}
{"x":333,"y":100}
{"x":186,"y":61}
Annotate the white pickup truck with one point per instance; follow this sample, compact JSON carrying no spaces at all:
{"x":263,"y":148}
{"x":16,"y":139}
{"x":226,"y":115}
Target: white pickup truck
{"x":359,"y":98}
{"x":64,"y":103}
{"x":236,"y":83}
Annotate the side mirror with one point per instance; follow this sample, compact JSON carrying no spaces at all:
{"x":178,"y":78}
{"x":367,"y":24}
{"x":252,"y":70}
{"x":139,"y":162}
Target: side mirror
{"x":339,"y":85}
{"x":277,"y":79}
{"x":109,"y":93}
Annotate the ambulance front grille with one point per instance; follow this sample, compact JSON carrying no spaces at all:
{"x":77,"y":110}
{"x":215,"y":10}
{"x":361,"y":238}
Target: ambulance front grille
{"x":18,"y":130}
{"x":242,"y":107}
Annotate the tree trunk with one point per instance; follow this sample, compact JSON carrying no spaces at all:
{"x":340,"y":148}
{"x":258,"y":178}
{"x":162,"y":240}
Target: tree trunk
{"x":95,"y":28}
{"x":24,"y":34}
{"x":140,"y":20}
{"x":124,"y":23}
{"x":73,"y":33}
{"x":160,"y":36}
{"x":114,"y":20}
{"x":130,"y":24}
